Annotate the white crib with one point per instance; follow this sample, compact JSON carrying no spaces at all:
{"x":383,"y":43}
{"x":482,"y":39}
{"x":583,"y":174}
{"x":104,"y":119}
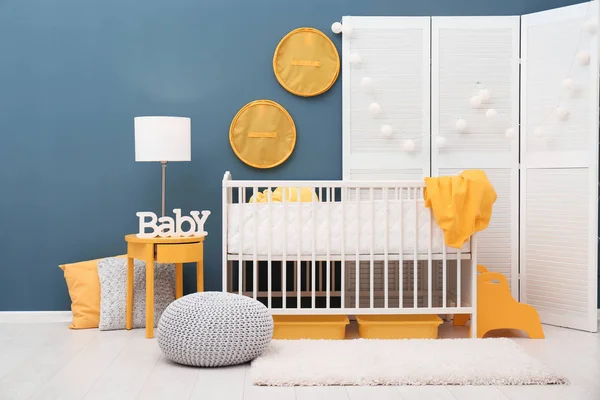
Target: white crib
{"x":357,"y":248}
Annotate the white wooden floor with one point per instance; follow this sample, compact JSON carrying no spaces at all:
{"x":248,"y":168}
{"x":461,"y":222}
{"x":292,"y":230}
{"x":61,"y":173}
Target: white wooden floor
{"x":49,"y":361}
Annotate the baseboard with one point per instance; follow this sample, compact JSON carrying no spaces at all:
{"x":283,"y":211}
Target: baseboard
{"x":27,"y":317}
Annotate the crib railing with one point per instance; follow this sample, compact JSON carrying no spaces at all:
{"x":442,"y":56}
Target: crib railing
{"x":291,"y":277}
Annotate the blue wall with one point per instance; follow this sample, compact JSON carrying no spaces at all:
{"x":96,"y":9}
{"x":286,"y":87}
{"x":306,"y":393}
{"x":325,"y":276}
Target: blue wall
{"x":74,"y":73}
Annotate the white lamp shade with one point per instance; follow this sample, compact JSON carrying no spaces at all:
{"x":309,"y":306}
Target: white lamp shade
{"x":163,"y":139}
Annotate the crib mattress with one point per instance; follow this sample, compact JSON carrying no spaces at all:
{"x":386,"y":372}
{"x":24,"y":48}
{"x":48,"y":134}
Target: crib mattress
{"x":347,"y":228}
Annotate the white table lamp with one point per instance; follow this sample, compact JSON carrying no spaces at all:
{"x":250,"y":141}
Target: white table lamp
{"x":163,"y":139}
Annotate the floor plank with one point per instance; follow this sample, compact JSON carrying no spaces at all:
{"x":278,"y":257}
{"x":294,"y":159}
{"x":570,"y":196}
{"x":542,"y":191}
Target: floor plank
{"x":80,"y":374}
{"x":128,"y":373}
{"x":169,"y":380}
{"x":373,"y":392}
{"x":225,"y":383}
{"x":529,"y":392}
{"x":26,"y":378}
{"x":425,"y":393}
{"x":321,"y":393}
{"x":477,"y":393}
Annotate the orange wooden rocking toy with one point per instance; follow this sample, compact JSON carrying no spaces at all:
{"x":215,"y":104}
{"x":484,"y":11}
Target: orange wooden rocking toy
{"x":497,"y":309}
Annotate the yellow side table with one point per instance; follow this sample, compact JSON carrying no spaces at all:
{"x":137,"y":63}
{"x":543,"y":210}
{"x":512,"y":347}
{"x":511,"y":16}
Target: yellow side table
{"x":163,"y":250}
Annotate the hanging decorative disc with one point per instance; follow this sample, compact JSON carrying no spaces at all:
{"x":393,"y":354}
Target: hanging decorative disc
{"x":306,"y":62}
{"x":262,"y":134}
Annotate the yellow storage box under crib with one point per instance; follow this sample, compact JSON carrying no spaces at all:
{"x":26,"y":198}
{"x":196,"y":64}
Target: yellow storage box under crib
{"x":331,"y":327}
{"x":398,"y":326}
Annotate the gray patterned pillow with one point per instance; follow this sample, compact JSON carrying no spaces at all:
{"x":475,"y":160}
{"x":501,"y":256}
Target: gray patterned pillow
{"x":113,"y":292}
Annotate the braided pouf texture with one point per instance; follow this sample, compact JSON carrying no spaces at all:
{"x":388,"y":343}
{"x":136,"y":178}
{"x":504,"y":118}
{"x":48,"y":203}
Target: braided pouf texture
{"x":214,"y":329}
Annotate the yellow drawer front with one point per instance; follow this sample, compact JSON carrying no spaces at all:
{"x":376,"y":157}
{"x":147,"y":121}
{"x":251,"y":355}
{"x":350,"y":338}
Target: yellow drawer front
{"x":310,"y":327}
{"x":398,"y":326}
{"x":179,"y":253}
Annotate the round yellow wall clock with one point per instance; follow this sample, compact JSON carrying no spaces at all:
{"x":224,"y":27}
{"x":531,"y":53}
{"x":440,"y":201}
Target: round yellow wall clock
{"x":306,"y":62}
{"x":262,"y":134}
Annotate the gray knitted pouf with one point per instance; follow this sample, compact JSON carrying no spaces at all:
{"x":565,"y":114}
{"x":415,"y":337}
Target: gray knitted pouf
{"x":213,"y":329}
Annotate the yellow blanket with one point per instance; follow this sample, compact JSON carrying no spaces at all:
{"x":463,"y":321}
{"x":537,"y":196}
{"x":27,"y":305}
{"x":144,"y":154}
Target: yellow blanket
{"x":306,"y":195}
{"x":461,"y":204}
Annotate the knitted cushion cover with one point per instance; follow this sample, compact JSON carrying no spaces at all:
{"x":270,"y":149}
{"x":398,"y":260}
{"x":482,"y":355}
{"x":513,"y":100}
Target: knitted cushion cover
{"x":113,"y":292}
{"x":214,"y":329}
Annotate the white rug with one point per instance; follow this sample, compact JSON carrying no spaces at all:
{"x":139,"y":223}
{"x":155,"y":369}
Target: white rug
{"x":399,"y":362}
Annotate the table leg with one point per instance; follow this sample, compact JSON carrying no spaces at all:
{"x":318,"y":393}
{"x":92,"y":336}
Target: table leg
{"x":200,"y":275}
{"x":150,"y":291}
{"x":178,"y":280}
{"x":129,"y":307}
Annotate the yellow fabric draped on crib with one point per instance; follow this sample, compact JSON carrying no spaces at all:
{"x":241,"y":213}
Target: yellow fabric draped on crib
{"x":462,"y":204}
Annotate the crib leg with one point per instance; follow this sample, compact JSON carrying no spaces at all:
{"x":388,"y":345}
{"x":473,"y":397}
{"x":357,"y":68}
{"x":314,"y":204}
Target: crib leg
{"x":473,"y":334}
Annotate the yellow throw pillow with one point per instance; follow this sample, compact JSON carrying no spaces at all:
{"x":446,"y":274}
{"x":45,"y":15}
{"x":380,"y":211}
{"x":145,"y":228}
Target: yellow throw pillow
{"x":84,"y":289}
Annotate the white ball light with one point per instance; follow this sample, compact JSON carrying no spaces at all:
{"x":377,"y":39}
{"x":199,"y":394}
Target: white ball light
{"x":538,"y":132}
{"x":476,"y":101}
{"x":562,"y":113}
{"x":485,"y":95}
{"x":461,"y":125}
{"x":440,"y":141}
{"x":567,"y":83}
{"x":409,"y":145}
{"x":583,"y":57}
{"x":336,"y":27}
{"x":387,"y":130}
{"x":347,"y":29}
{"x":366,"y":82}
{"x":374,"y":108}
{"x":491,"y":113}
{"x":510,"y":133}
{"x":590,"y":26}
{"x":355,"y":58}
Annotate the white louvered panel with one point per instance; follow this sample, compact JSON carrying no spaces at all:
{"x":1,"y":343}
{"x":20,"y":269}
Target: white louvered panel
{"x":395,"y":55}
{"x":470,"y":54}
{"x":498,"y":244}
{"x":559,"y":179}
{"x":557,"y":224}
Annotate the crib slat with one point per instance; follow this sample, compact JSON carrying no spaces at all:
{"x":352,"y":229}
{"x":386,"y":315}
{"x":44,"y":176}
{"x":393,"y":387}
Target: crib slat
{"x":269,"y":241}
{"x":343,"y":255}
{"x":255,"y":261}
{"x":416,"y":246}
{"x":328,"y":262}
{"x":227,"y":198}
{"x":299,"y":263}
{"x":385,"y":250}
{"x":372,"y":262}
{"x":314,"y":239}
{"x":284,"y":255}
{"x":401,"y":251}
{"x":357,"y":262}
{"x":458,"y":278}
{"x":429,"y":261}
{"x":444,"y":264}
{"x":241,"y":265}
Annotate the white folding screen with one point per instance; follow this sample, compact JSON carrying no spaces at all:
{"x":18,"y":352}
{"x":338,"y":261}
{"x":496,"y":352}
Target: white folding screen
{"x":539,"y":146}
{"x":393,"y":52}
{"x":475,"y":82}
{"x":559,"y":166}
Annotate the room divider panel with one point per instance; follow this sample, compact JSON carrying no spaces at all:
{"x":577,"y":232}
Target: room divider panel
{"x":516,"y":96}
